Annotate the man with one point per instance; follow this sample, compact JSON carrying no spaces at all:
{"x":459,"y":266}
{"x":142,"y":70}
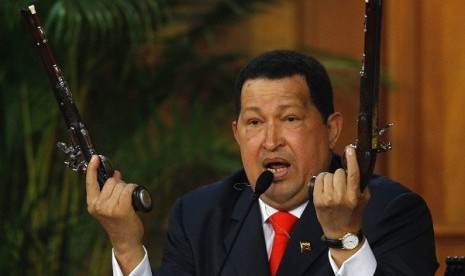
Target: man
{"x":285,"y":123}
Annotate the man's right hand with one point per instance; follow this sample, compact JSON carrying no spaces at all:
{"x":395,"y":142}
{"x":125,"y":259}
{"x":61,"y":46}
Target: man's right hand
{"x":112,"y":207}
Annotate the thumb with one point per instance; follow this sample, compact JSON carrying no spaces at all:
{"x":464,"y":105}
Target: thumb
{"x":92,"y":186}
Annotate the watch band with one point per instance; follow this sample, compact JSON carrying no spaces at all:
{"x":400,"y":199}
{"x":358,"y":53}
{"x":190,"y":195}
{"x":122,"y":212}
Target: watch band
{"x":337,"y":243}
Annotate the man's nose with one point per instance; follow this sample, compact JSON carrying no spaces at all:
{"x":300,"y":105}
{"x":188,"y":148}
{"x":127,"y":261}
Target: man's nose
{"x":273,"y":137}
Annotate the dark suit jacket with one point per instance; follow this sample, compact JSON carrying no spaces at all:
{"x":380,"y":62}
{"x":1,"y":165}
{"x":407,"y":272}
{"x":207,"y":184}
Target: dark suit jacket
{"x":202,"y":226}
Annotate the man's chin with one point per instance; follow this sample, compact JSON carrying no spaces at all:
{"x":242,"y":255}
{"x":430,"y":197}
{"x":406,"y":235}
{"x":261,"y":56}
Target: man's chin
{"x":283,"y":200}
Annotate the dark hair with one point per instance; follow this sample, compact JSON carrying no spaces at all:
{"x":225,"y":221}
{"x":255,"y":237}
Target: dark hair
{"x":279,"y":64}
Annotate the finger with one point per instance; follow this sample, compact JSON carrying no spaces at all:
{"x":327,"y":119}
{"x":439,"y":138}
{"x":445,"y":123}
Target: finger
{"x":328,"y":183}
{"x":92,"y":186}
{"x":126,"y":196}
{"x":117,"y":175}
{"x":353,"y":173}
{"x":110,"y":184}
{"x":113,"y":199}
{"x":318,"y":187}
{"x":340,"y":183}
{"x":108,"y":188}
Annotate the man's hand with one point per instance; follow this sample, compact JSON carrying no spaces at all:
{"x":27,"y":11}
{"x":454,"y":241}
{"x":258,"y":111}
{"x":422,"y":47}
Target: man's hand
{"x":339,"y":203}
{"x":112,"y":207}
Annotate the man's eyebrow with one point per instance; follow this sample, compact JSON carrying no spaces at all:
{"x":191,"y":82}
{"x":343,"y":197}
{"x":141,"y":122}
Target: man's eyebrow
{"x":252,"y":108}
{"x":280,"y":107}
{"x":286,"y":106}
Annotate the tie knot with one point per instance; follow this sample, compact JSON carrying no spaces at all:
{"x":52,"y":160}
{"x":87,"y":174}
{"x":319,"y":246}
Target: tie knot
{"x":283,"y":222}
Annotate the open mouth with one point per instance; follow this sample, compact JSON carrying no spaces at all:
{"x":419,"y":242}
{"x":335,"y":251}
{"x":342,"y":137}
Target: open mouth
{"x":277,"y":166}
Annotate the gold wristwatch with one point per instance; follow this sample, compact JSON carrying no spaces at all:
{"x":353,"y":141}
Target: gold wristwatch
{"x":348,"y":242}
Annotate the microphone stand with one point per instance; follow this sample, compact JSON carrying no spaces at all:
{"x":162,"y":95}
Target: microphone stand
{"x":263,"y":183}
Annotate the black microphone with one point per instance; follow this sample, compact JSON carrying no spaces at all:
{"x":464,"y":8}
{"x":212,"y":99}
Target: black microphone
{"x":263,"y":183}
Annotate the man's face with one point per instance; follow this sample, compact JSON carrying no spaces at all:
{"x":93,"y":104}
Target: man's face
{"x":280,"y":130}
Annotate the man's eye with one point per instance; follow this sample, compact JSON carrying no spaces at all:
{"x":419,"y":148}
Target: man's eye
{"x":254,"y":122}
{"x":291,"y":119}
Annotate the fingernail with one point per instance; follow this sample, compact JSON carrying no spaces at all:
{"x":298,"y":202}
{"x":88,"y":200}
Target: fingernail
{"x":349,"y":150}
{"x":92,"y":159}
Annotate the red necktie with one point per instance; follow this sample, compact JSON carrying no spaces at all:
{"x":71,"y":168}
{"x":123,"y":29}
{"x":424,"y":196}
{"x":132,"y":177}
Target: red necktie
{"x":282,"y":223}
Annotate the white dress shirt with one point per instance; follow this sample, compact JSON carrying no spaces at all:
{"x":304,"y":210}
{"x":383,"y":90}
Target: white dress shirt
{"x":362,"y":263}
{"x":142,"y":269}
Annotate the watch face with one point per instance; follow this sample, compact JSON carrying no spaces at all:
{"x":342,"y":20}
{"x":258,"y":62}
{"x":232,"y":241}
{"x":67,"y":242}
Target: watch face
{"x":350,"y":241}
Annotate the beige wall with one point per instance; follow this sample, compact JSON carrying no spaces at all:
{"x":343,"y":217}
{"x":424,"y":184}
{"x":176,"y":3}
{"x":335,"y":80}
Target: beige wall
{"x":423,"y":52}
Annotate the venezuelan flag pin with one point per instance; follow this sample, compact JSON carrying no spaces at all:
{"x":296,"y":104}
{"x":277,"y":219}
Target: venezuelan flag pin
{"x":305,"y":247}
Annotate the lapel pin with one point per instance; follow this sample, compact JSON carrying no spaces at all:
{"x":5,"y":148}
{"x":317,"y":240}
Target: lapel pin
{"x":305,"y":247}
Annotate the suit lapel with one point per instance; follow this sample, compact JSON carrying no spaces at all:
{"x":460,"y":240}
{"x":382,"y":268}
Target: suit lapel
{"x":296,"y":260}
{"x":248,"y":256}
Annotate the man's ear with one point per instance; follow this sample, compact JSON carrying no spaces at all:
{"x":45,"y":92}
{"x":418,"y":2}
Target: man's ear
{"x":334,"y":124}
{"x":235,"y":131}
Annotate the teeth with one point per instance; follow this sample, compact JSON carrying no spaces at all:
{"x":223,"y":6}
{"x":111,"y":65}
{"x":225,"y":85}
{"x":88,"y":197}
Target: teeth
{"x":276,"y":170}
